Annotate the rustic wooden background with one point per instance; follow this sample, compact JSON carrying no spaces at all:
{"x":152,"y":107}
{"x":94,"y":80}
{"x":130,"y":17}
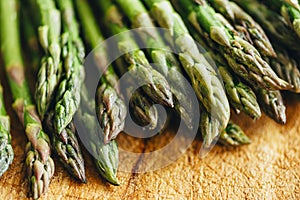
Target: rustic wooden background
{"x":269,"y":168}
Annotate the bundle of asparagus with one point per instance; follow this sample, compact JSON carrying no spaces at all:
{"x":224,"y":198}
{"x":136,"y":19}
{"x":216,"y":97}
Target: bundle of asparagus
{"x":248,"y":74}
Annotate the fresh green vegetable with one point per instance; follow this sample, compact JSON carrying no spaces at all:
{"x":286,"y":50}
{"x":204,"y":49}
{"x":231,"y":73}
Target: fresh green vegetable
{"x":109,"y":105}
{"x":286,"y":67}
{"x":104,"y":155}
{"x":282,"y":64}
{"x":141,"y":107}
{"x":39,"y":164}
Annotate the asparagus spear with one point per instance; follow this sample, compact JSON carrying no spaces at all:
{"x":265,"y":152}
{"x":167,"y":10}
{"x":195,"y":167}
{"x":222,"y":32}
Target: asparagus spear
{"x":68,"y":94}
{"x":290,"y":11}
{"x":110,"y":107}
{"x":205,"y":81}
{"x":272,"y":22}
{"x":242,"y":96}
{"x":233,"y":135}
{"x":65,"y":144}
{"x":105,"y":155}
{"x":272,"y":104}
{"x":157,"y":86}
{"x":161,"y":54}
{"x":242,"y":57}
{"x":49,"y":37}
{"x":39,"y":164}
{"x":245,"y":25}
{"x":6,"y":150}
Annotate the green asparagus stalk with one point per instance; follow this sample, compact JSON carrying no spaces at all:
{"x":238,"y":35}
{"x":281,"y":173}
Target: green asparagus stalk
{"x":68,"y":93}
{"x":241,"y":96}
{"x":289,"y":10}
{"x":105,"y":156}
{"x":39,"y":164}
{"x":157,"y":86}
{"x":272,"y":104}
{"x":6,"y":150}
{"x":111,"y":109}
{"x":49,"y":31}
{"x":161,"y":54}
{"x":233,"y":135}
{"x":65,"y":144}
{"x":242,"y":57}
{"x":205,"y":81}
{"x":272,"y":22}
{"x":245,"y":25}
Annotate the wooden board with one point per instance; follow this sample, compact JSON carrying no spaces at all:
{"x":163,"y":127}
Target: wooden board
{"x":269,"y":168}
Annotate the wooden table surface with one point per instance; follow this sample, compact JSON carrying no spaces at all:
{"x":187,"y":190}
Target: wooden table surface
{"x":269,"y":168}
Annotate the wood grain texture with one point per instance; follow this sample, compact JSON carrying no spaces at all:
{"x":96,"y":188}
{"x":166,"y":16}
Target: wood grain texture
{"x":269,"y":168}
